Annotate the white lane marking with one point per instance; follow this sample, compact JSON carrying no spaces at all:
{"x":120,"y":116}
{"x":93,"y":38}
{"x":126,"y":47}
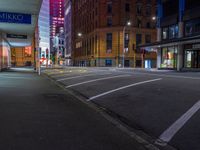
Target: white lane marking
{"x":70,"y":73}
{"x":167,"y":135}
{"x":58,"y":73}
{"x":80,"y":76}
{"x":119,"y":76}
{"x":121,"y":88}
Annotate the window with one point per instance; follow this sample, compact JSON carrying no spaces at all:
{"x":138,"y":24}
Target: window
{"x":108,"y":62}
{"x":28,"y":51}
{"x":138,"y":39}
{"x":192,"y":27}
{"x":109,"y":21}
{"x":169,"y":57}
{"x":147,"y":38}
{"x":148,"y":25}
{"x":109,"y":7}
{"x":170,"y":32}
{"x":188,"y":59}
{"x":165,"y":33}
{"x":139,"y":23}
{"x":109,"y":43}
{"x":148,"y":1}
{"x":127,"y":7}
{"x":192,"y":56}
{"x":173,"y":32}
{"x":148,"y":11}
{"x":139,"y":9}
{"x":96,"y":12}
{"x":170,"y":7}
{"x":192,"y":4}
{"x":138,"y":63}
{"x":126,"y":42}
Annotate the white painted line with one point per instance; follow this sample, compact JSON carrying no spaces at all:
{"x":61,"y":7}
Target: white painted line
{"x":167,"y":135}
{"x":119,"y":76}
{"x":121,"y":88}
{"x":70,"y":73}
{"x":58,"y":73}
{"x":80,"y":76}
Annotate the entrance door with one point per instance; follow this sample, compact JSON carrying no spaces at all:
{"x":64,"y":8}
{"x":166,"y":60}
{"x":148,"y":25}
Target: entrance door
{"x":192,"y":59}
{"x":127,"y":63}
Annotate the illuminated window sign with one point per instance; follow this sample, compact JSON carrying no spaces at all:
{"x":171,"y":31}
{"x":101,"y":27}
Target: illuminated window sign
{"x":18,"y":18}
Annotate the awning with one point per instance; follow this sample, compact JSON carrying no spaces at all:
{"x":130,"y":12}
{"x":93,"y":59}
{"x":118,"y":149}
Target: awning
{"x":15,"y":20}
{"x":179,"y":41}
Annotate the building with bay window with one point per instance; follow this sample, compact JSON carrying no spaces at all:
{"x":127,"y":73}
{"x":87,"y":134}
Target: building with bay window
{"x":178,"y":35}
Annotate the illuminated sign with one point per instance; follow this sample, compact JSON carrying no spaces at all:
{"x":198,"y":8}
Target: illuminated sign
{"x":16,"y":36}
{"x":18,"y":18}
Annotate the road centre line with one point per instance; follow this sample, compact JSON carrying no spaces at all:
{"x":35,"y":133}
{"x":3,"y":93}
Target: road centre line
{"x":90,"y":81}
{"x":80,"y":76}
{"x":122,"y":88}
{"x":168,"y":134}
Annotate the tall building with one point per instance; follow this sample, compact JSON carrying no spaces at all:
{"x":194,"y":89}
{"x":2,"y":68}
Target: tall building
{"x":178,"y":36}
{"x":68,"y":32}
{"x":108,"y":33}
{"x":56,"y":29}
{"x":56,"y":17}
{"x":44,"y":29}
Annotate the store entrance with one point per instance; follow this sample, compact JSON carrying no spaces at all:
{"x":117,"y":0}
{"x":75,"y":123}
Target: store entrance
{"x":192,"y":58}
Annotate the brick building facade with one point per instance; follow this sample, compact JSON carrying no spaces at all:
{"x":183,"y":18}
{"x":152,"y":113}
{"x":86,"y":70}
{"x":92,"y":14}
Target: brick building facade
{"x":99,"y":27}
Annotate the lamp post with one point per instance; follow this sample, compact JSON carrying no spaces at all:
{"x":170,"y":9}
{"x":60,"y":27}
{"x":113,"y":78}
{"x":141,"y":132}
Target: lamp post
{"x":123,"y":51}
{"x":80,"y":36}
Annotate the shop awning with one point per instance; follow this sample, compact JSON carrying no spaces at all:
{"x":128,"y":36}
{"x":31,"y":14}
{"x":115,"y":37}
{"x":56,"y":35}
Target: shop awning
{"x":18,"y":18}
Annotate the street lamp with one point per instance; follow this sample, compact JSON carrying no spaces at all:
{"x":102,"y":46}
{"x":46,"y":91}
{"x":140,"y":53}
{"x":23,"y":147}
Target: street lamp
{"x":80,"y":37}
{"x":124,"y":29}
{"x":154,"y":18}
{"x":80,"y":34}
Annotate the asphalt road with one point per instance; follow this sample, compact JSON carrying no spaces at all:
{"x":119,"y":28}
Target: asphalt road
{"x":35,"y":114}
{"x":162,"y":104}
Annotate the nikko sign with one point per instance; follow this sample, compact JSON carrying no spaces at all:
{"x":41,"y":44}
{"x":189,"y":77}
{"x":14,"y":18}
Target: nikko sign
{"x":19,"y":18}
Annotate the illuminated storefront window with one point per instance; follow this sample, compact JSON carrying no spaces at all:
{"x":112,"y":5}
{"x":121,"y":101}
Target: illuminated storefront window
{"x":4,"y":54}
{"x":169,"y":57}
{"x":192,"y":56}
{"x":28,"y":51}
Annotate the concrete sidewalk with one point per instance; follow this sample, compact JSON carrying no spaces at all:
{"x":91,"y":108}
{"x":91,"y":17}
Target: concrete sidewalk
{"x":35,"y":114}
